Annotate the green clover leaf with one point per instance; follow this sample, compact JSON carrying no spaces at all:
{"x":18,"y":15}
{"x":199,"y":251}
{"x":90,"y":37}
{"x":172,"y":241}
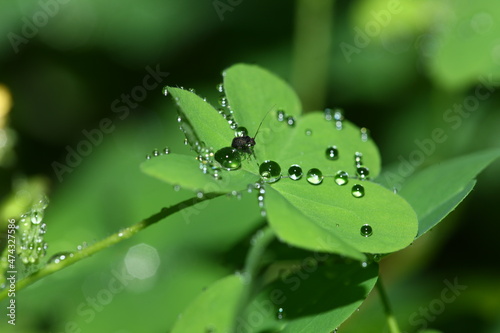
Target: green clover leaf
{"x":358,"y":216}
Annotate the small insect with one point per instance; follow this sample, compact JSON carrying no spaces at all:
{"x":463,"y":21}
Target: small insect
{"x":245,"y":143}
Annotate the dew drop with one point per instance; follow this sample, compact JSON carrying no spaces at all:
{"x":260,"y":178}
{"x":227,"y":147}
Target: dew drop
{"x":358,"y":191}
{"x":241,"y":131}
{"x":364,"y":134}
{"x":148,"y":157}
{"x":332,"y":153}
{"x":366,"y":230}
{"x":156,"y":152}
{"x":309,"y":132}
{"x":177,"y":188}
{"x":166,"y":151}
{"x":270,"y":171}
{"x":341,"y":178}
{"x":314,"y":176}
{"x":328,"y":114}
{"x":362,"y":172}
{"x":186,"y":142}
{"x":281,"y":115}
{"x":36,"y":217}
{"x":290,"y":121}
{"x":58,"y":257}
{"x":223,"y":101}
{"x":200,"y":194}
{"x":164,"y":91}
{"x":192,"y":90}
{"x":358,"y":159}
{"x":338,"y":116}
{"x":281,"y":314}
{"x":229,"y":158}
{"x":220,"y":87}
{"x":295,"y":172}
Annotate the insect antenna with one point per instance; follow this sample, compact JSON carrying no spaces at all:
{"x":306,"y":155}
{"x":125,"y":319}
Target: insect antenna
{"x":258,"y":128}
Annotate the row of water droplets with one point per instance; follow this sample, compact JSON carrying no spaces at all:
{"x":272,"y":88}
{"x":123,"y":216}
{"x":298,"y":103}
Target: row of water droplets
{"x":270,"y":171}
{"x":32,"y":246}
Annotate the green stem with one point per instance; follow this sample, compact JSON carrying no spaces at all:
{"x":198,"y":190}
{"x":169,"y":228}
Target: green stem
{"x":391,"y":320}
{"x":259,"y":243}
{"x":253,"y":262}
{"x":111,"y":240}
{"x":312,"y":51}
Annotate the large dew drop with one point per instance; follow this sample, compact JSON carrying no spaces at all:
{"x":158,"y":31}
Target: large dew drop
{"x":270,"y":171}
{"x":341,"y":178}
{"x":295,"y":172}
{"x":366,"y":230}
{"x":358,"y":191}
{"x":229,"y":158}
{"x":314,"y":176}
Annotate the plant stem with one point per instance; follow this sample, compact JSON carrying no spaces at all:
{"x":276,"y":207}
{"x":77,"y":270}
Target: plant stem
{"x":391,"y":320}
{"x":259,"y":243}
{"x":111,"y":240}
{"x":312,"y":46}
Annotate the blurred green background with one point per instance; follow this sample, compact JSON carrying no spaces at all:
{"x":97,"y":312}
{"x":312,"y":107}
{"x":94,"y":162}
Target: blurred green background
{"x":400,"y":68}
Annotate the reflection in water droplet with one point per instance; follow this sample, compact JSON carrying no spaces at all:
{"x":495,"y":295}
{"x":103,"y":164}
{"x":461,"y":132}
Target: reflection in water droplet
{"x":358,"y":191}
{"x":341,"y":178}
{"x":309,"y":132}
{"x":270,"y":171}
{"x":290,"y":121}
{"x":362,"y":172}
{"x":366,"y":230}
{"x":164,"y":91}
{"x":314,"y":176}
{"x":295,"y":172}
{"x":148,"y":157}
{"x":166,"y":151}
{"x":220,"y":87}
{"x":280,"y":115}
{"x":156,"y":152}
{"x":332,"y":153}
{"x":229,"y":158}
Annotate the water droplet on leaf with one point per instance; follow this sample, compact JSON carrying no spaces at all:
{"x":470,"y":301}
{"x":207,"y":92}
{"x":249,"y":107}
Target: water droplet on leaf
{"x":364,"y":134}
{"x":366,"y":230}
{"x":281,"y":115}
{"x":314,"y":176}
{"x":164,"y":91}
{"x":362,"y":172}
{"x":290,"y":121}
{"x":358,"y":191}
{"x":270,"y":171}
{"x":229,"y":158}
{"x":341,"y":178}
{"x":332,"y":153}
{"x":309,"y":132}
{"x":295,"y":172}
{"x":281,"y":314}
{"x":241,"y":131}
